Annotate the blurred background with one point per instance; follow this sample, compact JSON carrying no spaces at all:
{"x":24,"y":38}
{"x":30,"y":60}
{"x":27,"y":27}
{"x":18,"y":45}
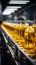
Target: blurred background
{"x":18,"y":32}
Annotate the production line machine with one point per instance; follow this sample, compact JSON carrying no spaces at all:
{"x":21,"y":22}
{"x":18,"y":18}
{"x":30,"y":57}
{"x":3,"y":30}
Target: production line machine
{"x":21,"y":41}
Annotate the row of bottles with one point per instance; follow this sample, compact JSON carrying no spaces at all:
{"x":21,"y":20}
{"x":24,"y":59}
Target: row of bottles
{"x":24,"y":35}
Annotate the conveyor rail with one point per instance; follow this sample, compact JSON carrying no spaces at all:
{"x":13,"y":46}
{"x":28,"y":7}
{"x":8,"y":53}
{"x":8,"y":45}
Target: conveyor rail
{"x":10,"y":49}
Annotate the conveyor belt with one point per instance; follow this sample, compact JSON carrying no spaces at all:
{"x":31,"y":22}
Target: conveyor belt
{"x":31,"y":60}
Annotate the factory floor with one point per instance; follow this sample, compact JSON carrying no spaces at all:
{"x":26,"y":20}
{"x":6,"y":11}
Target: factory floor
{"x":5,"y":57}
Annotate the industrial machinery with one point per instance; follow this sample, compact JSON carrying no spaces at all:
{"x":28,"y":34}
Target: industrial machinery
{"x":21,"y":41}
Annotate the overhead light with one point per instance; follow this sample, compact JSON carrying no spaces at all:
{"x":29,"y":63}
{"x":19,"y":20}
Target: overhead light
{"x":18,"y":2}
{"x":7,"y":12}
{"x":13,"y":7}
{"x":10,"y":9}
